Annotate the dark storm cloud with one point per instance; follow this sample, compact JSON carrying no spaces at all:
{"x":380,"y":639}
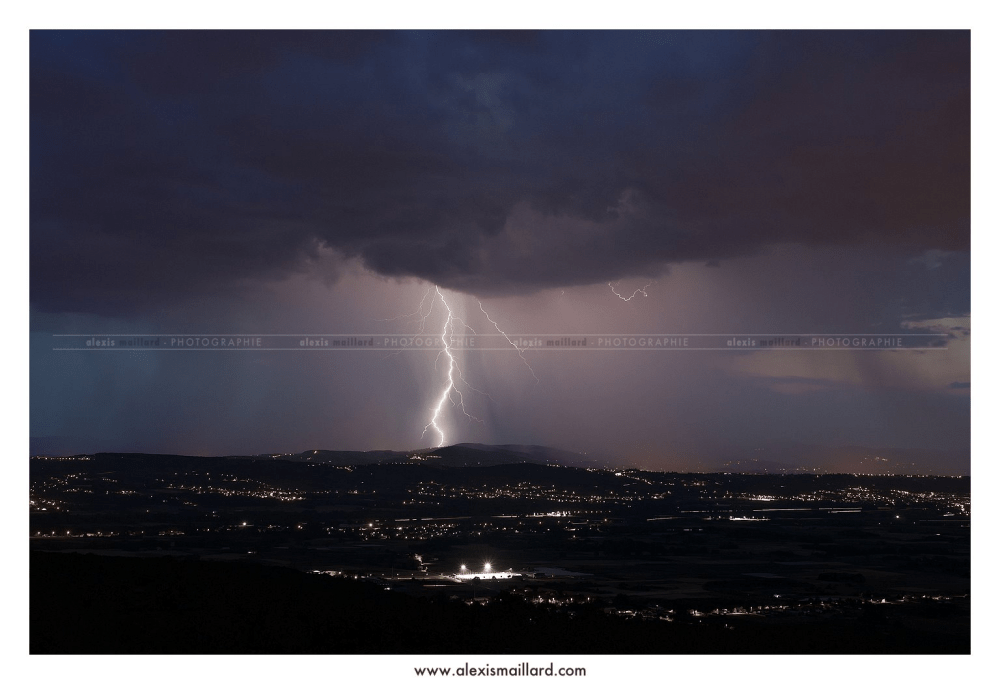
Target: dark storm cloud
{"x":166,"y":166}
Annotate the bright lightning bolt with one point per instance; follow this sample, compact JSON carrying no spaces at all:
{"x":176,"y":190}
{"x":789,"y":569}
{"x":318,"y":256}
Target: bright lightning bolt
{"x":454,"y":375}
{"x":641,"y":289}
{"x":447,"y":340}
{"x":451,"y":382}
{"x":458,"y":369}
{"x":519,"y":351}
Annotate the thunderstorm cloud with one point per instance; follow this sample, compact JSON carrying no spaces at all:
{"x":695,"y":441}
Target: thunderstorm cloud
{"x":170,"y":165}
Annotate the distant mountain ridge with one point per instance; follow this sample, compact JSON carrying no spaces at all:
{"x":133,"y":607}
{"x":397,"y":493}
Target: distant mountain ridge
{"x":464,"y":455}
{"x":775,"y":458}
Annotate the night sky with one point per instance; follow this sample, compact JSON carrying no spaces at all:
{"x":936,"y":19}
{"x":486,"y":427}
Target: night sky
{"x":309,"y":183}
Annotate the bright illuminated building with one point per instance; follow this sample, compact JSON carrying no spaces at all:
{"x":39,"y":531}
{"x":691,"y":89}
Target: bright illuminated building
{"x":487,"y":573}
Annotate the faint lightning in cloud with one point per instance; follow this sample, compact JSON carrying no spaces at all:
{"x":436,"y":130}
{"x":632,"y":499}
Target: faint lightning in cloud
{"x":418,"y":312}
{"x":641,"y":289}
{"x":519,"y":351}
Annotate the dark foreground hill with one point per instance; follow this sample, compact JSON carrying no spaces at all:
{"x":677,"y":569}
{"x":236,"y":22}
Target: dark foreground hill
{"x":89,"y":604}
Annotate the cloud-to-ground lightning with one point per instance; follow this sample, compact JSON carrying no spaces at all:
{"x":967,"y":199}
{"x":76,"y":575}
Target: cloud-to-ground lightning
{"x":458,"y":368}
{"x":519,"y":351}
{"x":447,"y":339}
{"x":453,"y":376}
{"x":641,"y":289}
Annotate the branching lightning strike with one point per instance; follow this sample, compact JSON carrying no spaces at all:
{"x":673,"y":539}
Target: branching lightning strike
{"x":418,"y":312}
{"x":447,"y":340}
{"x":458,"y":369}
{"x":641,"y":289}
{"x":454,"y":372}
{"x":519,"y":351}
